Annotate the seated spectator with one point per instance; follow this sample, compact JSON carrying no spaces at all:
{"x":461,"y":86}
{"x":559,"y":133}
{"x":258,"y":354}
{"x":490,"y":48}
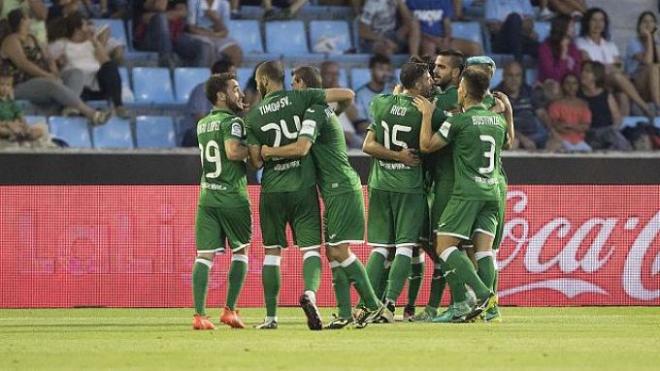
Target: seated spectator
{"x":558,"y":54}
{"x":206,"y":22}
{"x":288,"y":9}
{"x":642,"y":60}
{"x":516,"y":34}
{"x":199,"y":106}
{"x":382,"y":81}
{"x":388,"y":27}
{"x":596,"y":46}
{"x":330,"y":79}
{"x":569,"y":8}
{"x":36,"y":77}
{"x":605,"y":115}
{"x":14,"y":131}
{"x":570,"y":119}
{"x":434,"y":17}
{"x":36,"y":10}
{"x":530,"y":131}
{"x":82,"y":51}
{"x":160,"y":28}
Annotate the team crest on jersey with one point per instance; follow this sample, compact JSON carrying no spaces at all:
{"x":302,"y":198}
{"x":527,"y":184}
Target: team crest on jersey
{"x":237,"y":129}
{"x":444,"y":129}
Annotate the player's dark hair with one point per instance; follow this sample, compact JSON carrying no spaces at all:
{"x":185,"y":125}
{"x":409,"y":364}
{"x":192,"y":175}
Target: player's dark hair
{"x":217,"y":83}
{"x":221,"y":66}
{"x":272,"y":70}
{"x":422,"y":60}
{"x":310,"y":75}
{"x":456,"y":57}
{"x":378,"y":59}
{"x":598,"y":69}
{"x":411,"y":72}
{"x":477,"y":83}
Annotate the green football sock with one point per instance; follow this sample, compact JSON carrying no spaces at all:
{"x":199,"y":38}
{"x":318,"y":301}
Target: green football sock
{"x":237,"y":273}
{"x":200,"y":280}
{"x":456,"y":287}
{"x":270,"y":279}
{"x":342,"y":288}
{"x":358,"y":275}
{"x":437,"y":287}
{"x":398,"y":273}
{"x":375,"y":270}
{"x":312,"y":270}
{"x":496,"y":281}
{"x":486,"y":268}
{"x":415,"y":279}
{"x":461,"y":265}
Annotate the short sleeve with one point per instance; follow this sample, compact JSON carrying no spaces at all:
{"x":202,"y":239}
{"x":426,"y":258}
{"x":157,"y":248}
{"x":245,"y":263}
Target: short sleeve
{"x":314,"y":118}
{"x":312,"y":97}
{"x":449,"y":129}
{"x":233,"y":129}
{"x":439,"y":117}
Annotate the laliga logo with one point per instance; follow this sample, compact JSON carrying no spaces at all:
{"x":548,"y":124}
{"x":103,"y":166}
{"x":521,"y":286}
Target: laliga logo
{"x":567,"y":260}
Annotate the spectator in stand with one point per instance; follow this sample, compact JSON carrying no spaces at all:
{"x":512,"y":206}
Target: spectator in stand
{"x":643,"y":61}
{"x":82,"y":51}
{"x":596,"y":46}
{"x":570,"y":8}
{"x":605,"y":114}
{"x":36,"y":76}
{"x":207,"y":21}
{"x":36,"y":10}
{"x":199,"y":106}
{"x":434,"y":17}
{"x":160,"y":28}
{"x":388,"y":27}
{"x":558,"y":54}
{"x":288,"y":9}
{"x":530,"y":131}
{"x":516,"y":34}
{"x":382,"y":81}
{"x":570,"y":119}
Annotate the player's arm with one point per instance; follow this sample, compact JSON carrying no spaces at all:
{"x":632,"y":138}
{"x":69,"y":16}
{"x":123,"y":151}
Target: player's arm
{"x":428,"y":142}
{"x":508,"y":116}
{"x":292,"y":150}
{"x":377,"y":150}
{"x":254,"y":154}
{"x":339,"y":95}
{"x":235,"y":150}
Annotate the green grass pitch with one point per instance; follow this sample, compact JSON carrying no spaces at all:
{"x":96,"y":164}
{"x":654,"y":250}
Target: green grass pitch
{"x":610,"y":338}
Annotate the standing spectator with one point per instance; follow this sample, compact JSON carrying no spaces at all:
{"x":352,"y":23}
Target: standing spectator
{"x":570,"y":119}
{"x":605,"y":114}
{"x":642,"y":60}
{"x":516,"y":34}
{"x":159,"y":27}
{"x":381,"y":81}
{"x":81,"y":50}
{"x":36,"y":76}
{"x":199,"y":106}
{"x":530,"y":132}
{"x":434,"y":17}
{"x":558,"y":54}
{"x":387,"y":26}
{"x":596,"y":46}
{"x":207,"y":21}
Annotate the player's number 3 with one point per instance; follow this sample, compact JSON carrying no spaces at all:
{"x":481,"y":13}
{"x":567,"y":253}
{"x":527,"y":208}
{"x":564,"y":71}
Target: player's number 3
{"x":211,"y":154}
{"x":489,"y":154}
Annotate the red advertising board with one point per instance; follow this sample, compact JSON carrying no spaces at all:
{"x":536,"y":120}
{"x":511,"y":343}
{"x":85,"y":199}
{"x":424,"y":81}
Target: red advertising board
{"x":133,"y":246}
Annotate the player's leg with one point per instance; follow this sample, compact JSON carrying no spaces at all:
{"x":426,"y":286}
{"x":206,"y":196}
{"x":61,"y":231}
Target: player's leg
{"x":342,"y":289}
{"x":380,"y":236}
{"x":237,"y":222}
{"x":273,"y":231}
{"x":209,"y":239}
{"x":306,"y":226}
{"x":484,"y":235}
{"x":417,"y":268}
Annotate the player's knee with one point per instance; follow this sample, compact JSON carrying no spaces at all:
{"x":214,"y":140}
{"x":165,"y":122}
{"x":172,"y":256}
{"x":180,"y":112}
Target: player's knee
{"x":241,"y":251}
{"x":205,"y":255}
{"x":275,"y":251}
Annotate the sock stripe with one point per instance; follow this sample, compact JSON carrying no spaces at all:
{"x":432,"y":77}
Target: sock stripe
{"x":239,"y":258}
{"x":445,"y":254}
{"x":334,"y":264}
{"x":272,"y":260}
{"x":207,"y":263}
{"x":380,"y":250}
{"x":311,"y":254}
{"x":350,"y":260}
{"x":405,"y":251}
{"x":483,"y":254}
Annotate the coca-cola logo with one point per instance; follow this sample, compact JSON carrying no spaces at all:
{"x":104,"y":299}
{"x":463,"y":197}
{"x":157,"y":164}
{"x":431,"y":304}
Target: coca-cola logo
{"x":530,"y":245}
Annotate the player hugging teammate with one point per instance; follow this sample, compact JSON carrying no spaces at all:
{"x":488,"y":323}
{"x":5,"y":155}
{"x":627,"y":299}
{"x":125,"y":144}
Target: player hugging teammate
{"x":296,"y":138}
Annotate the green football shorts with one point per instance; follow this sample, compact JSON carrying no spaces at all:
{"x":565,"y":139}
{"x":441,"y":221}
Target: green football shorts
{"x":214,"y":225}
{"x":395,"y":219}
{"x":462,"y":218}
{"x":499,"y":234}
{"x":299,"y":209}
{"x":344,"y":218}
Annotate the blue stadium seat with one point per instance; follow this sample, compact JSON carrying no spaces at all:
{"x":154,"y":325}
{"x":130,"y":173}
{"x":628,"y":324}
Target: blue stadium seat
{"x":185,"y":80}
{"x":286,"y":37}
{"x":152,"y":85}
{"x":73,"y":130}
{"x":497,"y":78}
{"x":657,"y":122}
{"x":126,"y":84}
{"x":243,"y":75}
{"x":632,"y":121}
{"x":33,"y":120}
{"x":468,"y":31}
{"x":542,"y":29}
{"x":531,"y":75}
{"x":116,"y":133}
{"x":359,"y":77}
{"x":117,"y":30}
{"x":343,"y":78}
{"x":247,"y":34}
{"x":154,"y":132}
{"x":337,"y":31}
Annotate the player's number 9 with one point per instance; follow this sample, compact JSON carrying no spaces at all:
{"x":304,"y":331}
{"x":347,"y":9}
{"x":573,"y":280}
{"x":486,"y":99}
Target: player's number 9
{"x":211,"y":154}
{"x":489,"y":154}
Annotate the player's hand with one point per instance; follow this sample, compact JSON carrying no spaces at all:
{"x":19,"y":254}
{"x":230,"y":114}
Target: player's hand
{"x":504,"y":100}
{"x":397,"y":89}
{"x":408,"y":157}
{"x":424,"y":105}
{"x":266,"y":152}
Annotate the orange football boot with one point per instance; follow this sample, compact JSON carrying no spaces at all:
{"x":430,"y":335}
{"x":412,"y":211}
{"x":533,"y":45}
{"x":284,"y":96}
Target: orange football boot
{"x":202,"y":323}
{"x":230,"y":318}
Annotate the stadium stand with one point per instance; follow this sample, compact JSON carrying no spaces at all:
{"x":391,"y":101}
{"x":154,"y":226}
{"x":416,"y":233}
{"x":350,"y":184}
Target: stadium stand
{"x":185,"y":80}
{"x":72,"y":130}
{"x":154,"y":132}
{"x":152,"y":85}
{"x":116,"y":133}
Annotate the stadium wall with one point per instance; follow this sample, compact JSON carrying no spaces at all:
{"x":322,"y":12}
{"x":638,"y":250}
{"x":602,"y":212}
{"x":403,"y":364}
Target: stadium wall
{"x":116,"y":230}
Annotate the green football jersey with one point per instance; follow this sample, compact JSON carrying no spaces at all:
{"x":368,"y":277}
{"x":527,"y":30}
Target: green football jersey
{"x":477,"y":137}
{"x":223,"y":181}
{"x":396,"y":124}
{"x":333,"y":171}
{"x":446,"y":100}
{"x":276,"y":122}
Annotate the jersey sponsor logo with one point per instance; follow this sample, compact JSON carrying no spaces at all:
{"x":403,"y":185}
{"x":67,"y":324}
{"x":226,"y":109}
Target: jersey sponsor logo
{"x":393,"y":165}
{"x":274,"y":106}
{"x":444,"y":129}
{"x":214,"y":187}
{"x":332,"y":236}
{"x":488,"y":181}
{"x":237,"y":129}
{"x":287,"y":165}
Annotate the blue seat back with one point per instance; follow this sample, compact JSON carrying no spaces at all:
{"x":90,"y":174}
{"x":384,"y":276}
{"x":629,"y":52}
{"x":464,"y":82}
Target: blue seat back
{"x":468,"y":31}
{"x":152,"y":85}
{"x":247,"y":34}
{"x":185,"y":80}
{"x":288,"y":37}
{"x":117,"y":29}
{"x":116,"y":133}
{"x":336,"y":32}
{"x":359,"y":77}
{"x":155,"y":132}
{"x":73,"y":130}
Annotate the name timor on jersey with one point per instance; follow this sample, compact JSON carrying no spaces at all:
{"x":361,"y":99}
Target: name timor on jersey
{"x":396,"y":125}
